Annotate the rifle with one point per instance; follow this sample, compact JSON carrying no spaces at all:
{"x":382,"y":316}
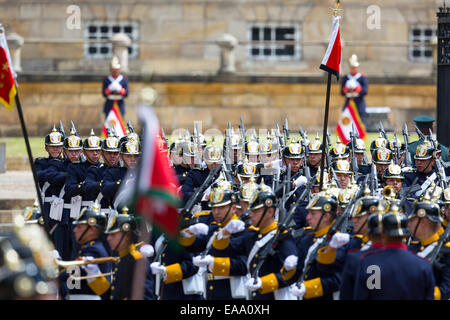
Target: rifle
{"x":305,"y":166}
{"x":337,"y":225}
{"x":198,"y":162}
{"x":61,"y":129}
{"x":286,"y":131}
{"x":196,"y":197}
{"x":441,"y":171}
{"x":406,"y":139}
{"x":242,"y":131}
{"x":397,"y":149}
{"x":281,"y":234}
{"x":280,"y":138}
{"x":130,"y":126}
{"x":420,"y":134}
{"x":354,"y":163}
{"x":382,"y":131}
{"x":226,"y":162}
{"x":157,"y":258}
{"x":373,"y":180}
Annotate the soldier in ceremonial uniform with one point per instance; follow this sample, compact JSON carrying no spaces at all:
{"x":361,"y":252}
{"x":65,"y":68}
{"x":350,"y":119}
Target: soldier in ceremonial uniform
{"x":54,"y":143}
{"x":314,"y":155}
{"x":382,"y":158}
{"x":401,"y":274}
{"x":360,"y":155}
{"x":122,"y":231}
{"x":379,"y":142}
{"x":245,"y":196}
{"x":425,"y":226}
{"x":251,"y":150}
{"x":425,"y":158}
{"x":94,"y":177}
{"x":87,"y":230}
{"x":213,"y":158}
{"x":322,"y":279}
{"x":425,"y":123}
{"x":225,"y":272}
{"x":113,"y":177}
{"x":393,"y":176}
{"x":343,"y":172}
{"x":352,"y":259}
{"x":339,"y":152}
{"x":115,"y":88}
{"x":59,"y":219}
{"x":355,"y":85}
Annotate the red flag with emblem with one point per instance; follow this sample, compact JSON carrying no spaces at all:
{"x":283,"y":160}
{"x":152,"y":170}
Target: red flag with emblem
{"x":349,"y":117}
{"x":7,"y":75}
{"x":157,"y":196}
{"x":114,"y":119}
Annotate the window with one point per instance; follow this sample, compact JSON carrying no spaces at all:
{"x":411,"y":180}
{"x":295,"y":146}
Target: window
{"x":272,"y":47}
{"x":421,"y":34}
{"x":104,"y":30}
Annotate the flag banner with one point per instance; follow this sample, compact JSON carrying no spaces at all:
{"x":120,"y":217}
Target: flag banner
{"x":7,"y":75}
{"x":349,"y":117}
{"x":332,"y":58}
{"x":114,"y":120}
{"x":155,"y":193}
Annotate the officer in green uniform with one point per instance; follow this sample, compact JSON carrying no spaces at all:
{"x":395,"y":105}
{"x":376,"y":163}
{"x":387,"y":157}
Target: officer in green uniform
{"x":425,"y":123}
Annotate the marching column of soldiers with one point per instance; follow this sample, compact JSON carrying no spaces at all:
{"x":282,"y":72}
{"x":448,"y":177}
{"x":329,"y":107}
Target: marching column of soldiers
{"x":258,"y":222}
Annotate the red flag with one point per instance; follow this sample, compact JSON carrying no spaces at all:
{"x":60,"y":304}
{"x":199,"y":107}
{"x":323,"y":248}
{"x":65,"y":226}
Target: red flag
{"x":332,"y":58}
{"x":114,"y":118}
{"x":157,"y":194}
{"x":350,"y":117}
{"x":7,"y":85}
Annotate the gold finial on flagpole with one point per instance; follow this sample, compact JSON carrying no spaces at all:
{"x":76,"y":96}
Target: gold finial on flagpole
{"x":336,"y":11}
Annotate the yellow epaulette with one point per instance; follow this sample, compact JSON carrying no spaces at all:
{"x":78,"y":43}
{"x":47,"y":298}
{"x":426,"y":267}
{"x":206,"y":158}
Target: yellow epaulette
{"x":447,"y":244}
{"x":202,"y":213}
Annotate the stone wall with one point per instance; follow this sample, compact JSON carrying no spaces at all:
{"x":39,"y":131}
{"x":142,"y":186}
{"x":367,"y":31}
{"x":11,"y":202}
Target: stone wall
{"x":179,"y":36}
{"x":215,"y":100}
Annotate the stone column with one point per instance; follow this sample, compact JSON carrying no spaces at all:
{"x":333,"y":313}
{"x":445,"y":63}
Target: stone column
{"x":121,"y":42}
{"x":227,"y":43}
{"x":15,"y":43}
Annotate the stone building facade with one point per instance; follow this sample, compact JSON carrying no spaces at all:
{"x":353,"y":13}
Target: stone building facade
{"x":174,"y":49}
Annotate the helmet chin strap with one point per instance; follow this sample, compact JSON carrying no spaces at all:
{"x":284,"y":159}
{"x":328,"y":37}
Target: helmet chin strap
{"x":360,"y":228}
{"x":320,"y":220}
{"x":84,"y":232}
{"x":226,"y":215}
{"x":262,"y":216}
{"x":417,"y":226}
{"x":118,"y":244}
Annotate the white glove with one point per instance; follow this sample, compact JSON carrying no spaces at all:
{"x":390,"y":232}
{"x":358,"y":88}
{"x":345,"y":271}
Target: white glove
{"x":157,"y":268}
{"x":91,"y":270}
{"x":147,"y":250}
{"x":199,"y":228}
{"x":339,"y":239}
{"x":290,"y":262}
{"x":296,"y":291}
{"x":206,"y":261}
{"x":55,"y":254}
{"x":300,"y":181}
{"x":252,"y":286}
{"x":235,"y":225}
{"x":111,"y":86}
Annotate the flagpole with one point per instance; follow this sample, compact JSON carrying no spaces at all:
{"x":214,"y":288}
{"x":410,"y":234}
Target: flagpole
{"x":325,"y":127}
{"x":30,"y":159}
